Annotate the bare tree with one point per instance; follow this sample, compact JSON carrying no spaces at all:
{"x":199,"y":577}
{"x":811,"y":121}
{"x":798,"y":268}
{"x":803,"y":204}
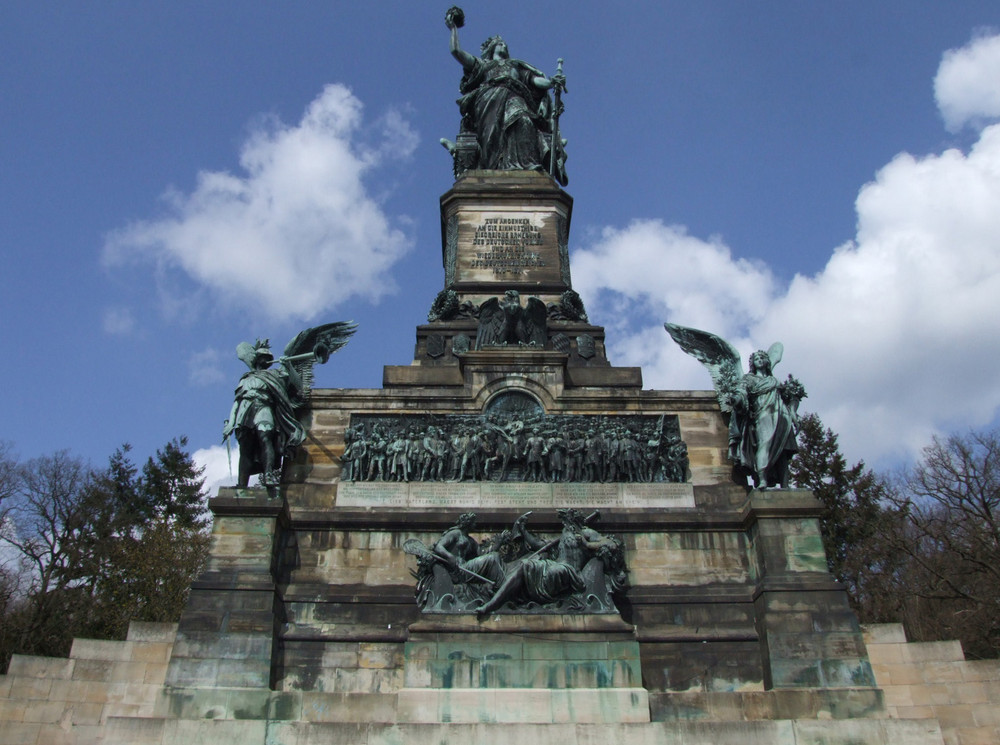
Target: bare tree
{"x":93,"y":550}
{"x":44,"y":519}
{"x":950,"y":503}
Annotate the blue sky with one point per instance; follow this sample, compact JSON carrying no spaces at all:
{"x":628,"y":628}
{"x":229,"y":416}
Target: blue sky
{"x":178,"y":177}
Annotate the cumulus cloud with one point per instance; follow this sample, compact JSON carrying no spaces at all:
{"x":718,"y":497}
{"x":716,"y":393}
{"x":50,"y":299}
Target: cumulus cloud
{"x":216,"y":462}
{"x":294,"y":233}
{"x":895,"y":338}
{"x":118,"y":321}
{"x":205,"y":367}
{"x":657,"y":271}
{"x":966,"y":86}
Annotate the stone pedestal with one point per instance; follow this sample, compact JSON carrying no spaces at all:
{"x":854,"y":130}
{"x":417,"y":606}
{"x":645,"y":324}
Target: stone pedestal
{"x":527,"y":669}
{"x":810,"y":637}
{"x":506,"y":229}
{"x":226,"y":635}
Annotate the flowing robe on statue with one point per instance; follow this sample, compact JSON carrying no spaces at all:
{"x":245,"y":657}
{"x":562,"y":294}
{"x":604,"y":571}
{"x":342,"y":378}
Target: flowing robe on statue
{"x":548,"y":580}
{"x":262,"y":404}
{"x":765,"y":433}
{"x":508,"y":114}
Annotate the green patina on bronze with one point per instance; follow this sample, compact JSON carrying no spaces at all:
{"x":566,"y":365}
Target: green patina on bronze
{"x":509,"y":122}
{"x":763,"y":413}
{"x":264,"y":416}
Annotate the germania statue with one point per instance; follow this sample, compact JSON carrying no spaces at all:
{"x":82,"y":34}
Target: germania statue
{"x":506,"y":108}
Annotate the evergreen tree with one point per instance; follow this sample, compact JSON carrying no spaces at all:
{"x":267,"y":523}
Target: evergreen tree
{"x":854,"y":518}
{"x":97,"y":549}
{"x":157,"y":543}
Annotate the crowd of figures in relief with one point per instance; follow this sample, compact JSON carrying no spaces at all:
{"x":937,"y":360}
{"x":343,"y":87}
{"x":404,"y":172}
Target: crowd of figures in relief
{"x":498,"y":446}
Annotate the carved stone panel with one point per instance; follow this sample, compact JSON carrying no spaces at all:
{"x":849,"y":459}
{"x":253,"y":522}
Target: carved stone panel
{"x":515,"y":441}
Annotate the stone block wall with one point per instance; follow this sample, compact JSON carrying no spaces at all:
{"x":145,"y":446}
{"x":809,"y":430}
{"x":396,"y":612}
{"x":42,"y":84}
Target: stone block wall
{"x":933,"y":680}
{"x":114,"y":692}
{"x":52,"y":700}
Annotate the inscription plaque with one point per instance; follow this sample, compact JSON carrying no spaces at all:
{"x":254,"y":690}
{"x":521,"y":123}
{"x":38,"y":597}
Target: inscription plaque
{"x":372,"y":494}
{"x":517,"y":496}
{"x":664,"y":496}
{"x":508,"y":246}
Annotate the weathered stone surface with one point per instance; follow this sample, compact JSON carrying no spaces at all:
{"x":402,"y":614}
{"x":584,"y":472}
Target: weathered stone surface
{"x":513,"y":235}
{"x":485,"y":495}
{"x":303,"y":628}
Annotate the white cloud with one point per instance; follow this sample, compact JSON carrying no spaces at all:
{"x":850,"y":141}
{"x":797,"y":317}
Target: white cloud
{"x":217,"y":467}
{"x":895,"y":339}
{"x":118,"y":321}
{"x":205,"y":367}
{"x":296,"y":232}
{"x":966,"y":86}
{"x":659,"y":272}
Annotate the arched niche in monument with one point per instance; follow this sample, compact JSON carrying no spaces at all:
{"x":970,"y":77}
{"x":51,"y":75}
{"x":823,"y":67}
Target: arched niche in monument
{"x":510,"y":403}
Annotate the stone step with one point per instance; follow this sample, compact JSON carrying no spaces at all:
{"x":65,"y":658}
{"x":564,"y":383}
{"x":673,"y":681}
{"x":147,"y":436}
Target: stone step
{"x":534,"y":705}
{"x":779,"y":732}
{"x":741,"y":706}
{"x":30,"y":666}
{"x":101,"y":649}
{"x":884,"y":633}
{"x":144,"y":631}
{"x":249,"y":703}
{"x":917,"y":652}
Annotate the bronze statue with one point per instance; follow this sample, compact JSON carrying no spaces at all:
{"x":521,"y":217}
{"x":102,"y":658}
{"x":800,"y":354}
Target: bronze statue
{"x":461,"y":552}
{"x":264,"y":417}
{"x":512,"y":571}
{"x":763,"y":413}
{"x":505,"y":104}
{"x":506,"y":321}
{"x":540,"y":579}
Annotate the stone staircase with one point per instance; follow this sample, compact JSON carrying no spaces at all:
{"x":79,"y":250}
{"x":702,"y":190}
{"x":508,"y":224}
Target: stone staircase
{"x":55,"y":700}
{"x":115,"y":692}
{"x":933,"y":681}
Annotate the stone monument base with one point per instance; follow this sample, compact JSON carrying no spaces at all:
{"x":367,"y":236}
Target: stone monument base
{"x":526,"y":669}
{"x":113,"y":693}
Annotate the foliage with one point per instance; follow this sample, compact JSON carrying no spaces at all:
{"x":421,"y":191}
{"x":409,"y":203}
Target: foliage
{"x":853,"y":513}
{"x":87,"y":551}
{"x":923,"y":548}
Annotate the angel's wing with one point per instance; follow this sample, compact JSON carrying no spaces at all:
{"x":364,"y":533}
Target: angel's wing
{"x":718,"y":356}
{"x":492,"y":320}
{"x":534,"y":318}
{"x":775,"y":353}
{"x":322,"y":341}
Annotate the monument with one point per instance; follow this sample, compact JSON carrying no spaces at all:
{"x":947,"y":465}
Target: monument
{"x":511,"y":538}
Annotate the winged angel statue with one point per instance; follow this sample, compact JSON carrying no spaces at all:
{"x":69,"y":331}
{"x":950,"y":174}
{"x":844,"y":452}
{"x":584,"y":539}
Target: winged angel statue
{"x":763,"y":413}
{"x":264,"y":416}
